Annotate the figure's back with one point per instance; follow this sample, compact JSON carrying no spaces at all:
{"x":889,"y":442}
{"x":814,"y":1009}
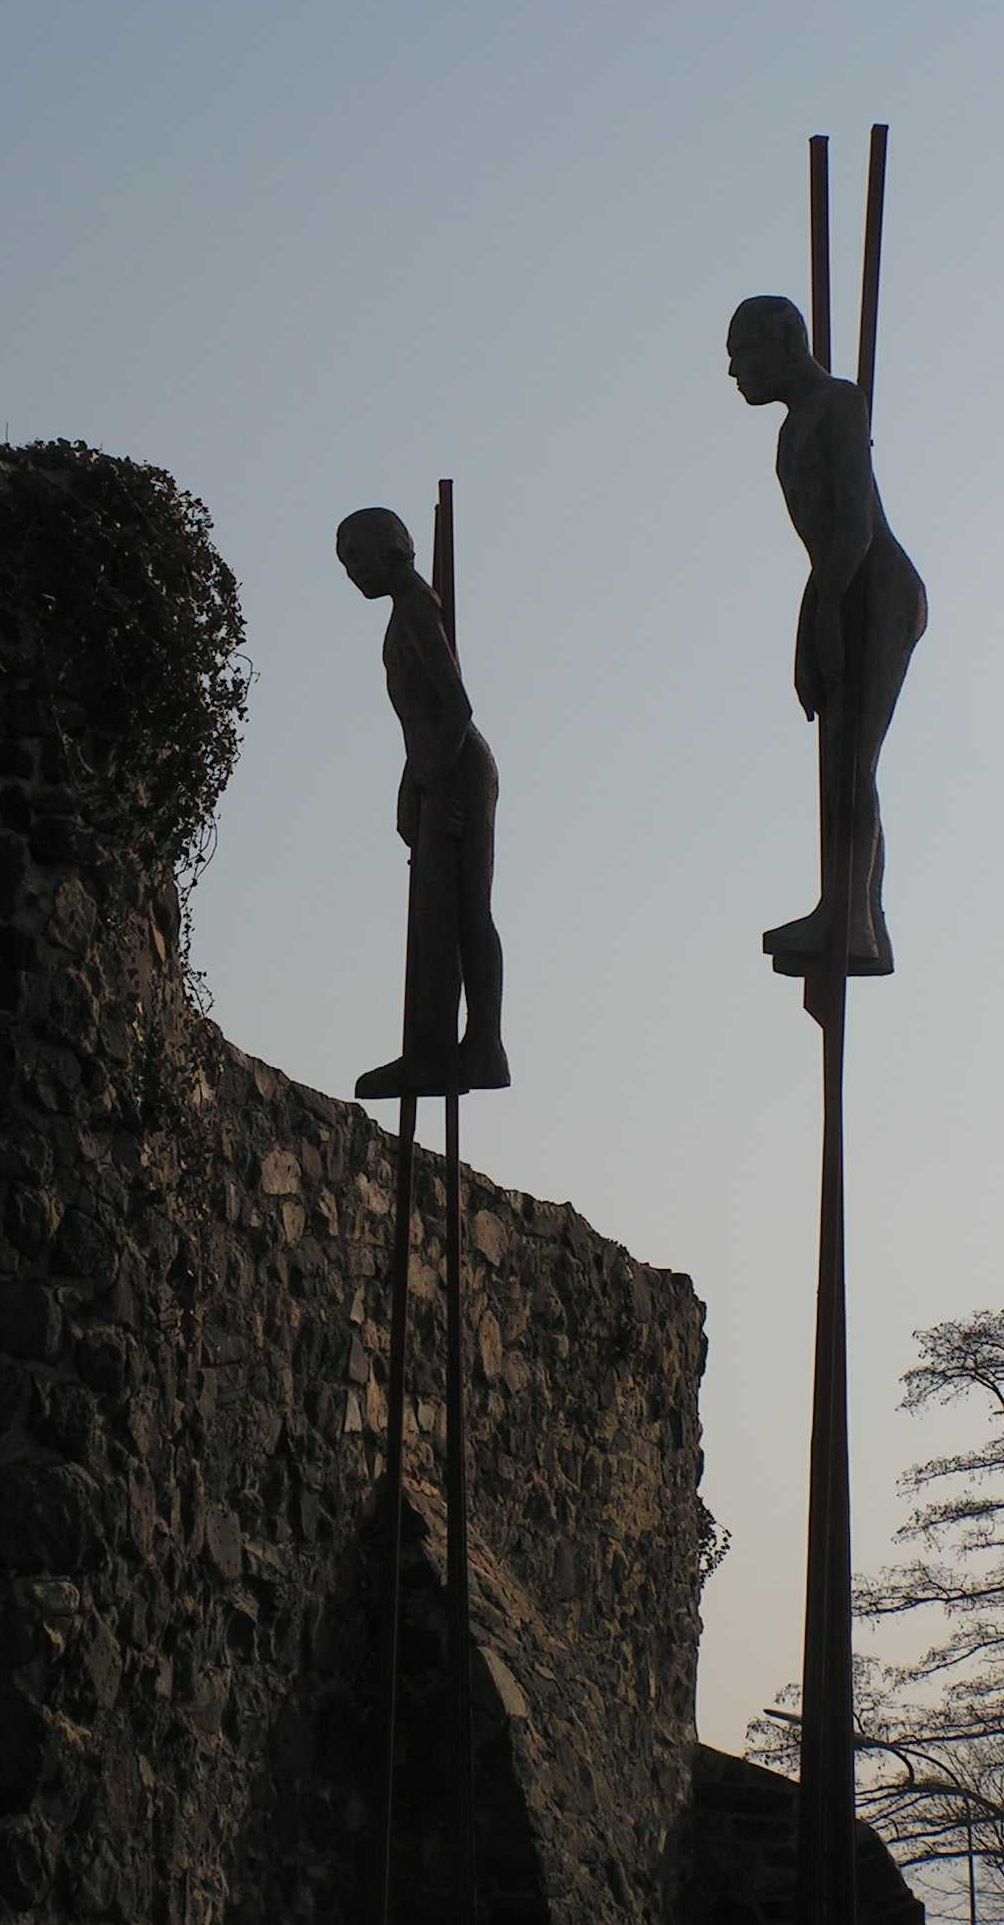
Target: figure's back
{"x":824,"y":461}
{"x":825,"y":470}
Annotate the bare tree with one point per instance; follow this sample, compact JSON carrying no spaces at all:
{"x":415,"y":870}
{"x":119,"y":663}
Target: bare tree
{"x":930,"y":1734}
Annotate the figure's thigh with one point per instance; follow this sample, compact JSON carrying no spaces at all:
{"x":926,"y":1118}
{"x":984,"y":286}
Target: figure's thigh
{"x":889,"y":641}
{"x":477,"y":849}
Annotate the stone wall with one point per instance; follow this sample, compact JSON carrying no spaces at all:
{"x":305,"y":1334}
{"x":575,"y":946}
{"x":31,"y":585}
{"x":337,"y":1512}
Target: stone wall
{"x":193,"y":1364}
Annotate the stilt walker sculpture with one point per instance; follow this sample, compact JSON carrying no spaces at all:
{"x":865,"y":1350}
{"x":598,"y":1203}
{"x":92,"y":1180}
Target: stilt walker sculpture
{"x":863,"y":610}
{"x":446,"y":815}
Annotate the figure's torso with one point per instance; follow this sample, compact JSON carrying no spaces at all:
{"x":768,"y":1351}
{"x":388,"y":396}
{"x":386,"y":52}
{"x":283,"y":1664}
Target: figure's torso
{"x":414,"y":698}
{"x":808,"y":450}
{"x":425,"y":689}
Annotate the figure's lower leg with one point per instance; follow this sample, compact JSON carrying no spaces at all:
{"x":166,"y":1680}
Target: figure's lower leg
{"x":869,"y":858}
{"x":795,"y":945}
{"x":428,"y":1066}
{"x":885,"y":665}
{"x":867,"y":836}
{"x":482,"y":1056}
{"x":875,"y":896}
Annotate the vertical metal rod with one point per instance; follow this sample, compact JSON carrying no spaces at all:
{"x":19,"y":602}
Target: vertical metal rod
{"x":826,"y":1855}
{"x":456,"y":1513}
{"x":444,"y":581}
{"x":819,"y":253}
{"x":819,"y":219}
{"x":826,"y":1833}
{"x":395,"y":1477}
{"x":457,"y":1571}
{"x":396,"y":1386}
{"x":400,"y":1260}
{"x":457,"y":1582}
{"x":872,"y":262}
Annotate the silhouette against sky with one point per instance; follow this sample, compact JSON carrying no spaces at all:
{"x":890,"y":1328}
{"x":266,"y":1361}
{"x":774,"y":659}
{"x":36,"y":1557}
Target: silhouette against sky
{"x":317,"y":256}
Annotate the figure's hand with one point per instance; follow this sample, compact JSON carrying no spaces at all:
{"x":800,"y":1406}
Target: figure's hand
{"x":407,"y":810}
{"x":808,"y":682}
{"x":830,"y":647}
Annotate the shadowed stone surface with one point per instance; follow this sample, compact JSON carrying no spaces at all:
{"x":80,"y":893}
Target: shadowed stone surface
{"x":193,"y":1366}
{"x":739,"y":1847}
{"x":194,"y":1332}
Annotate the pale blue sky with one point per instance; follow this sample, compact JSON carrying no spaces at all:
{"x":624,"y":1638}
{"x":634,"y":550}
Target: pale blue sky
{"x":316,"y":256}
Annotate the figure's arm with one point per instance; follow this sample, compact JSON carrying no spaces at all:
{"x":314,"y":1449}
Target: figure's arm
{"x":424,"y":632}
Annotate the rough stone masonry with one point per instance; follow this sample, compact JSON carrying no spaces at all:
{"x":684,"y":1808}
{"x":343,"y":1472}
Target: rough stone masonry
{"x":193,"y":1362}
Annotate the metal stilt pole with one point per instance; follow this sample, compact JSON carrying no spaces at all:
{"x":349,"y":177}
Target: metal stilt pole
{"x":826,"y":1852}
{"x":465,"y":1882}
{"x":395,"y":1482}
{"x":458,"y":1593}
{"x":826,"y":1858}
{"x":400,"y":1261}
{"x":464,"y":1870}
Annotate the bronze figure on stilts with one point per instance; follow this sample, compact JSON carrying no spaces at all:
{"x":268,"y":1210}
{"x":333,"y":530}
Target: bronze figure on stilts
{"x":863,"y":610}
{"x":446,"y":816}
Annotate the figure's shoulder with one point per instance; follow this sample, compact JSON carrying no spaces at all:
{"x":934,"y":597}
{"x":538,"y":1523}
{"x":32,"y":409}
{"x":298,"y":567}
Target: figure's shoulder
{"x":843,"y":401}
{"x":418,"y":604}
{"x":845,"y":394}
{"x":834,"y":413}
{"x":417,"y":620}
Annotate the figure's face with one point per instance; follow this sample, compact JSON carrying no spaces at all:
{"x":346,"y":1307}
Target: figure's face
{"x":366,"y":562}
{"x":757,"y":362}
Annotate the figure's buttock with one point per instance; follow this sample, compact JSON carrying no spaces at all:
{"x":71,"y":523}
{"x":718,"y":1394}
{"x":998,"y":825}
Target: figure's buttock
{"x":893,"y":579}
{"x":477,"y":774}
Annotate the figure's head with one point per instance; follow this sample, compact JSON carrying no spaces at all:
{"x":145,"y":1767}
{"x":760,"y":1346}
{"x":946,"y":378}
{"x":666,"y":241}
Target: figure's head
{"x":767,"y":344}
{"x":374,"y":548}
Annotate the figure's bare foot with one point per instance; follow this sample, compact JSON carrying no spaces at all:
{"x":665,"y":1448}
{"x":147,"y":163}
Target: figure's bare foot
{"x":802,"y":940}
{"x":484,"y":1065}
{"x":410,"y":1077}
{"x":796,"y":946}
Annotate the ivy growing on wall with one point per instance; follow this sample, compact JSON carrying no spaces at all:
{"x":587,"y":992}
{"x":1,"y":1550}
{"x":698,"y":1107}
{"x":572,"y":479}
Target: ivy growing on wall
{"x":108,"y":571}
